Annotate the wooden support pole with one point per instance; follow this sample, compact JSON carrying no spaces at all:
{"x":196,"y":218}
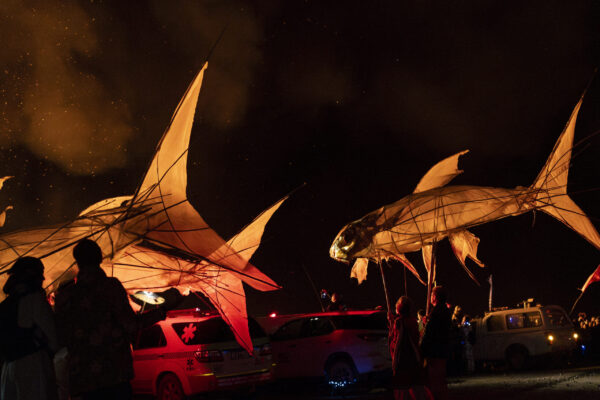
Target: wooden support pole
{"x":387,"y":296}
{"x":574,"y":304}
{"x":430,"y":277}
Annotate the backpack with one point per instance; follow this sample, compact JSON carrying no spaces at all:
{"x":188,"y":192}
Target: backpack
{"x":15,"y":342}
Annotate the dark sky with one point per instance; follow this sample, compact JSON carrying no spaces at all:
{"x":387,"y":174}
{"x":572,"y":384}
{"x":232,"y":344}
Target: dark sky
{"x":355,"y":99}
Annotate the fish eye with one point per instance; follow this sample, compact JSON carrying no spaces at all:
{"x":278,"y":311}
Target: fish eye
{"x":348,"y":246}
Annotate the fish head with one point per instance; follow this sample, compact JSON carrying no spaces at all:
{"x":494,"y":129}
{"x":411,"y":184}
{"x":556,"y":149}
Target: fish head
{"x":355,"y":240}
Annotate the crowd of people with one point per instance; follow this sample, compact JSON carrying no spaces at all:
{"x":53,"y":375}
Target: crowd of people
{"x":589,"y":331}
{"x":462,"y":339}
{"x":584,"y":322}
{"x":90,"y":331}
{"x":92,"y":326}
{"x":81,"y":348}
{"x":420,"y":348}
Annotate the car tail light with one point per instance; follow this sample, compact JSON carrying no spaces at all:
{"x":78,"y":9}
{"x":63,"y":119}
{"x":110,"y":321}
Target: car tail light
{"x":265,"y":350}
{"x":550,"y":338}
{"x":208,"y":356}
{"x":575,"y":335}
{"x":371,"y":337}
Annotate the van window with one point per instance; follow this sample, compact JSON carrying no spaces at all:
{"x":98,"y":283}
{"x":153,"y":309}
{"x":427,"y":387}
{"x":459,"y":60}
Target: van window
{"x":494,"y":323}
{"x":150,"y":337}
{"x":524,"y":320}
{"x":557,"y":317}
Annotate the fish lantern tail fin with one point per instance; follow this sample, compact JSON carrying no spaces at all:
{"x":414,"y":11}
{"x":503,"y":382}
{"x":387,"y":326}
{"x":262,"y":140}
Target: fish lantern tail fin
{"x":550,"y":186}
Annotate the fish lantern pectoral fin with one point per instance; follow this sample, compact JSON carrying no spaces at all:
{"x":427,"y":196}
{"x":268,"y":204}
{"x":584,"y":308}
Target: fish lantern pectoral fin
{"x":359,"y":270}
{"x":408,"y":265}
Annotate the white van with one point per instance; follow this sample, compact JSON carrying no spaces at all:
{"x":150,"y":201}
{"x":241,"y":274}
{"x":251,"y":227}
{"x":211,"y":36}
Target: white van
{"x":519,"y":334}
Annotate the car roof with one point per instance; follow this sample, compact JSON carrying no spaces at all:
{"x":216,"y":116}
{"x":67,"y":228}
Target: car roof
{"x":327,"y":314}
{"x":271,"y":324}
{"x":521,"y":309}
{"x":187,"y":315}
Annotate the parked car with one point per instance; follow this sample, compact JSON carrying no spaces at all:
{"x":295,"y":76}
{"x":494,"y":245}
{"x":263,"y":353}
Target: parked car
{"x":192,"y":352}
{"x":518,"y":335}
{"x":338,"y":345}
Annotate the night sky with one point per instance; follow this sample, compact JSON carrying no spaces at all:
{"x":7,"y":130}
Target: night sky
{"x":344,"y":103}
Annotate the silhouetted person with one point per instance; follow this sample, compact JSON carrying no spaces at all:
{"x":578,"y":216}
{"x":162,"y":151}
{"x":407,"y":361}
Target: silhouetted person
{"x":28,"y":335}
{"x":435,"y":343}
{"x":408,"y":380}
{"x":421,"y":321}
{"x":97,"y":324}
{"x":468,"y":337}
{"x":456,"y":361}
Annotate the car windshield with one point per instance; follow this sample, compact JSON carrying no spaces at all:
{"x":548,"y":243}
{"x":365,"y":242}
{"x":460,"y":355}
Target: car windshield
{"x":213,"y":330}
{"x":557,"y":317}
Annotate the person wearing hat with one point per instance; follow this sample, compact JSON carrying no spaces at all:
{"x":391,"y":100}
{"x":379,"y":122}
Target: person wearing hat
{"x":28,"y":337}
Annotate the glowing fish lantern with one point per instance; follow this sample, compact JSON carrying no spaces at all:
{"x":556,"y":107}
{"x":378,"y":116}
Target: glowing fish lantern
{"x":434,"y":212}
{"x":155,"y":239}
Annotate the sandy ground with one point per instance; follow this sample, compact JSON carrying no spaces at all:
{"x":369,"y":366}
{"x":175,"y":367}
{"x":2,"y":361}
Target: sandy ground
{"x":580,"y":383}
{"x":575,"y":383}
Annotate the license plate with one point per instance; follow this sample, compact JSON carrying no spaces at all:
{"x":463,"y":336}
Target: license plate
{"x":238,"y":355}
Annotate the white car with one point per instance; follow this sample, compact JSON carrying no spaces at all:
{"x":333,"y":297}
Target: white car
{"x":192,"y":352}
{"x":519,"y":334}
{"x":337,"y":345}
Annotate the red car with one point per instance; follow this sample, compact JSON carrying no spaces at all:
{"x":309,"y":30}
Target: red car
{"x":337,"y":345}
{"x":192,"y":352}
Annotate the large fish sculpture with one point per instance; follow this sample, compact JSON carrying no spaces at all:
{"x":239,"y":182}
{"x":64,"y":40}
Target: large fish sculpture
{"x":434,"y":212}
{"x":155,"y":239}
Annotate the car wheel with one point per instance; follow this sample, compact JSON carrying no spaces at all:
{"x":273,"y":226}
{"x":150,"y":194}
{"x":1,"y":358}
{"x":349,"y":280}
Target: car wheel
{"x":169,"y":388}
{"x":517,"y":357}
{"x":341,"y":372}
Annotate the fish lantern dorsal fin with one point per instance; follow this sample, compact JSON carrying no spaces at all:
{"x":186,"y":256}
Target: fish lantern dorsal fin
{"x":441,"y":173}
{"x":167,"y":175}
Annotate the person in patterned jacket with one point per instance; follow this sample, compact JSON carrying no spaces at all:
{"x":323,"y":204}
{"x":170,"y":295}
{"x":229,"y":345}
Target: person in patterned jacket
{"x":97,"y":325}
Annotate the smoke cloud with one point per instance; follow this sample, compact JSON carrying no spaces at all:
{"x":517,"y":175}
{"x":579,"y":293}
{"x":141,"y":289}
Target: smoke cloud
{"x":195,"y":28}
{"x":66,"y":115}
{"x":64,"y":94}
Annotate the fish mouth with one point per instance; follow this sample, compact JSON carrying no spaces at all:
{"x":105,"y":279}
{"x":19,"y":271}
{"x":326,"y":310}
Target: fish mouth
{"x":340,"y":251}
{"x":336,"y":253}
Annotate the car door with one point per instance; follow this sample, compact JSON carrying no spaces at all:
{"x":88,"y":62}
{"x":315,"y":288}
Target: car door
{"x":493,"y":342}
{"x":286,"y":350}
{"x":316,"y":344}
{"x":148,"y":351}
